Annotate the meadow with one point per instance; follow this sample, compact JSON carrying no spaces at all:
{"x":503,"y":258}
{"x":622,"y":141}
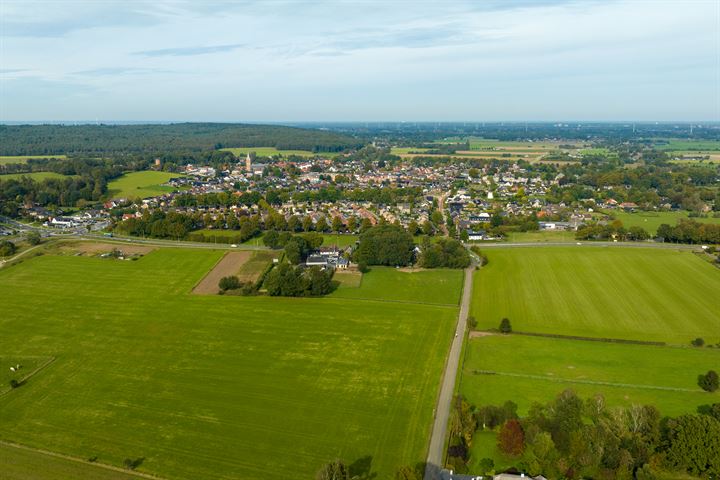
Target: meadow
{"x":241,"y":152}
{"x":6,"y":159}
{"x":141,"y":184}
{"x":21,"y":464}
{"x":439,"y":286}
{"x":650,"y":221}
{"x":662,"y":376}
{"x":216,"y":386}
{"x":611,"y":292}
{"x":37,"y":176}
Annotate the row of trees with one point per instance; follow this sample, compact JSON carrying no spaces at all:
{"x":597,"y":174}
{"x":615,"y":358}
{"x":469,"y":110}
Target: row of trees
{"x":574,"y":438}
{"x":690,"y":231}
{"x":613,"y":230}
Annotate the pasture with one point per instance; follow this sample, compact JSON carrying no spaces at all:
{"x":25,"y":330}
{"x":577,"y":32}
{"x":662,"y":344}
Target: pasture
{"x":650,"y":221}
{"x":662,"y":376}
{"x":612,"y":292}
{"x":37,"y":176}
{"x":216,"y":386}
{"x":141,"y":184}
{"x":7,"y":159}
{"x":439,"y":286}
{"x":241,"y":152}
{"x":22,"y":464}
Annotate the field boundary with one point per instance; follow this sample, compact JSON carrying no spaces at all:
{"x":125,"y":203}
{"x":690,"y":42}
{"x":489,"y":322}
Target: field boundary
{"x":586,"y":382}
{"x":5,"y":390}
{"x":406,"y":302}
{"x":592,"y":339}
{"x":106,"y":466}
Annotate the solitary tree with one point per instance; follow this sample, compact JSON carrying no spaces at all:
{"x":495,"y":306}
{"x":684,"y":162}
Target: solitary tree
{"x":511,"y":438}
{"x":505,"y":326}
{"x":335,"y":470}
{"x":709,"y":382}
{"x":33,"y":237}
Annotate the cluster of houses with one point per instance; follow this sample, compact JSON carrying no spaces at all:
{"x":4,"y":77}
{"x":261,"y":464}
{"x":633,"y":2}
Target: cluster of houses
{"x":330,"y":258}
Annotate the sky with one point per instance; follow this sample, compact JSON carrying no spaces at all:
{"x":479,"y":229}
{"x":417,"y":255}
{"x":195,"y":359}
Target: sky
{"x":385,"y":60}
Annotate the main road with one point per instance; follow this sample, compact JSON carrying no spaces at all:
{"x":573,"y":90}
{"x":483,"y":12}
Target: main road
{"x":436,"y":452}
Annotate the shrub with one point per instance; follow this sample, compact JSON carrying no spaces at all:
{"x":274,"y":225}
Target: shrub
{"x":14,"y":383}
{"x":472,"y":322}
{"x":229,"y":283}
{"x":363,"y":267}
{"x":709,"y":382}
{"x":698,"y":342}
{"x":505,"y":326}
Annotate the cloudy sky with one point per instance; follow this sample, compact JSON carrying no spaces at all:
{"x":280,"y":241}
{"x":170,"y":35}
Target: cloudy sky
{"x":367,"y":60}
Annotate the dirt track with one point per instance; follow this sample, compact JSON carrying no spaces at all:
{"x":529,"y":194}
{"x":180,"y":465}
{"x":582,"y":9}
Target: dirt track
{"x":228,"y":265}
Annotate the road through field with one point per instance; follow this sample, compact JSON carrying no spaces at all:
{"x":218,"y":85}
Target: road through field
{"x":435,"y":456}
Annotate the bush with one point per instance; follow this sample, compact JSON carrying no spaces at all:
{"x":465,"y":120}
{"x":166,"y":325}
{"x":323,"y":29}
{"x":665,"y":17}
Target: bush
{"x":7,"y":248}
{"x":505,"y":326}
{"x":14,"y":383}
{"x":472,"y":322}
{"x":709,"y":382}
{"x":698,"y":342}
{"x":229,"y":283}
{"x":363,"y":267}
{"x":33,"y":237}
{"x":487,"y":465}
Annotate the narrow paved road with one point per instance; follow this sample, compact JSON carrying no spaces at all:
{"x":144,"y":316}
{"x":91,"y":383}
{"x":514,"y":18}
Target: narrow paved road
{"x":436,"y":453}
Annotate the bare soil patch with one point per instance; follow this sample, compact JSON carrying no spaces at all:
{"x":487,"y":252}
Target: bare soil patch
{"x":228,"y":265}
{"x":477,"y":334}
{"x":95,"y":248}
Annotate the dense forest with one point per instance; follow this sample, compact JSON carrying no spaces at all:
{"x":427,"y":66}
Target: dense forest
{"x":103,"y":139}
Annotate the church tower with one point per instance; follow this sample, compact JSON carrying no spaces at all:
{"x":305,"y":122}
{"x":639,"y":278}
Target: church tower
{"x":248,"y":163}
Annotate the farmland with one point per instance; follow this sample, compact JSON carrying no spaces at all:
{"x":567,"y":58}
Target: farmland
{"x":240,"y":152}
{"x":650,"y":221}
{"x":662,"y":376}
{"x":217,"y":386}
{"x":141,"y":184}
{"x":642,"y":294}
{"x":22,"y":464}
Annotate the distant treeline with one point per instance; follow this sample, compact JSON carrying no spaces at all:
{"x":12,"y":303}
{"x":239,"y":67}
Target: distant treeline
{"x":103,"y":139}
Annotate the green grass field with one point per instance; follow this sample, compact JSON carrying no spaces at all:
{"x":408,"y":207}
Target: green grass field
{"x":642,"y":294}
{"x":690,"y":145}
{"x":441,"y":286}
{"x":339,"y":240}
{"x":662,"y":376}
{"x":6,"y":159}
{"x":650,"y":221}
{"x":241,"y":152}
{"x":215,"y":386}
{"x":37,"y":176}
{"x":21,"y":464}
{"x":141,"y":184}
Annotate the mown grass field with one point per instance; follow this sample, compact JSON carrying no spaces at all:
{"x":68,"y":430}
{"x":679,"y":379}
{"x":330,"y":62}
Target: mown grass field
{"x":37,"y":176}
{"x":6,"y":159}
{"x":21,"y":464}
{"x":650,"y":221}
{"x":662,"y":376}
{"x":440,"y":286}
{"x":241,"y":152}
{"x":141,"y":184}
{"x":641,"y":294}
{"x":215,"y":386}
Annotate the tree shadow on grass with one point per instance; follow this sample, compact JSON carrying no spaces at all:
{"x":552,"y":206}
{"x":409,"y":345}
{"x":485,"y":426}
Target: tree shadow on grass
{"x":362,"y":468}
